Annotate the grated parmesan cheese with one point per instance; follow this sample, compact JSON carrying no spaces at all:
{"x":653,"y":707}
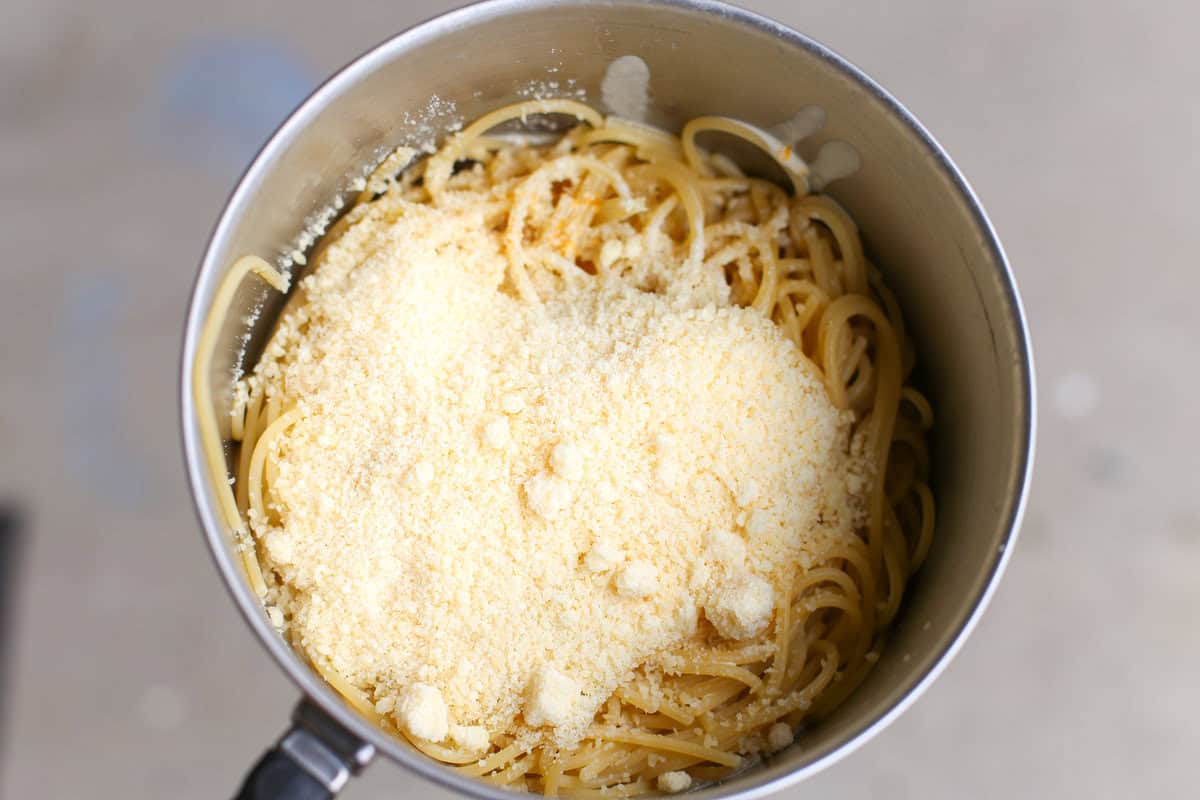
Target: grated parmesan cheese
{"x":566,"y":461}
{"x":726,"y":547}
{"x":779,"y":736}
{"x":547,"y":494}
{"x":488,"y":513}
{"x":674,"y":782}
{"x":423,"y":473}
{"x":422,"y":711}
{"x":512,"y":404}
{"x":553,"y":698}
{"x":603,"y":556}
{"x":740,"y":607}
{"x":638,"y":579}
{"x":472,"y":738}
{"x":495,"y":433}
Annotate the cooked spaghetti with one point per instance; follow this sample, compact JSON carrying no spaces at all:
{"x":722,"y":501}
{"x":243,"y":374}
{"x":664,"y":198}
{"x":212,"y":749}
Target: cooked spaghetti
{"x":589,"y":468}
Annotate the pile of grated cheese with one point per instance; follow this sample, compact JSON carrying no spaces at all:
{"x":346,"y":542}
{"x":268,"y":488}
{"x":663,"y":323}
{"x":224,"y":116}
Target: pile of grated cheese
{"x":489,"y":513}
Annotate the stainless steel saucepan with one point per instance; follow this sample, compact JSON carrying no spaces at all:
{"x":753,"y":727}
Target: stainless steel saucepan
{"x":919,"y":218}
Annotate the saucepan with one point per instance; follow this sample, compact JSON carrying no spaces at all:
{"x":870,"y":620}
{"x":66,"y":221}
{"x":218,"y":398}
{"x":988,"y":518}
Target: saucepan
{"x":920,"y":220}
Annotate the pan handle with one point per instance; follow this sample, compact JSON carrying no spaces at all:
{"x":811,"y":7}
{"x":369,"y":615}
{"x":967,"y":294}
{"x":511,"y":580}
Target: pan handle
{"x":313,"y":760}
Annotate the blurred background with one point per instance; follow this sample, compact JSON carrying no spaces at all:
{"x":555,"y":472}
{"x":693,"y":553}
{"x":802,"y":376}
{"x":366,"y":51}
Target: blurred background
{"x":126,"y":673}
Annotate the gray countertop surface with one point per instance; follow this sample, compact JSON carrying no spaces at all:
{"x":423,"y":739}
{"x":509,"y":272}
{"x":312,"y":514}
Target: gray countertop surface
{"x":127,"y":671}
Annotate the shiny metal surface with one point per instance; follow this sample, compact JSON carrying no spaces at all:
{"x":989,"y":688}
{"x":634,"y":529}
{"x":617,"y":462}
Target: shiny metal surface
{"x":324,"y":749}
{"x":348,"y":748}
{"x":920,"y":221}
{"x":314,"y":757}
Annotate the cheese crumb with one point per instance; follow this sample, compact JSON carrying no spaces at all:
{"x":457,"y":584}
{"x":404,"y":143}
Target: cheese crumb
{"x":779,"y":736}
{"x":741,"y":608}
{"x":566,"y":461}
{"x":496,"y":433}
{"x":610,"y":251}
{"x":748,"y":494}
{"x":547,"y":494}
{"x":674,"y":782}
{"x":422,"y":712}
{"x":603,"y":557}
{"x":726,"y":547}
{"x":512,"y":404}
{"x":752,"y":744}
{"x":552,"y":698}
{"x":423,"y":472}
{"x":638,"y":579}
{"x":760,"y":524}
{"x":472,"y":738}
{"x":667,"y":475}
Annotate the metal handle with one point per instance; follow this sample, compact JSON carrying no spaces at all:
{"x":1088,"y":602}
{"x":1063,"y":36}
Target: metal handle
{"x":313,"y":760}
